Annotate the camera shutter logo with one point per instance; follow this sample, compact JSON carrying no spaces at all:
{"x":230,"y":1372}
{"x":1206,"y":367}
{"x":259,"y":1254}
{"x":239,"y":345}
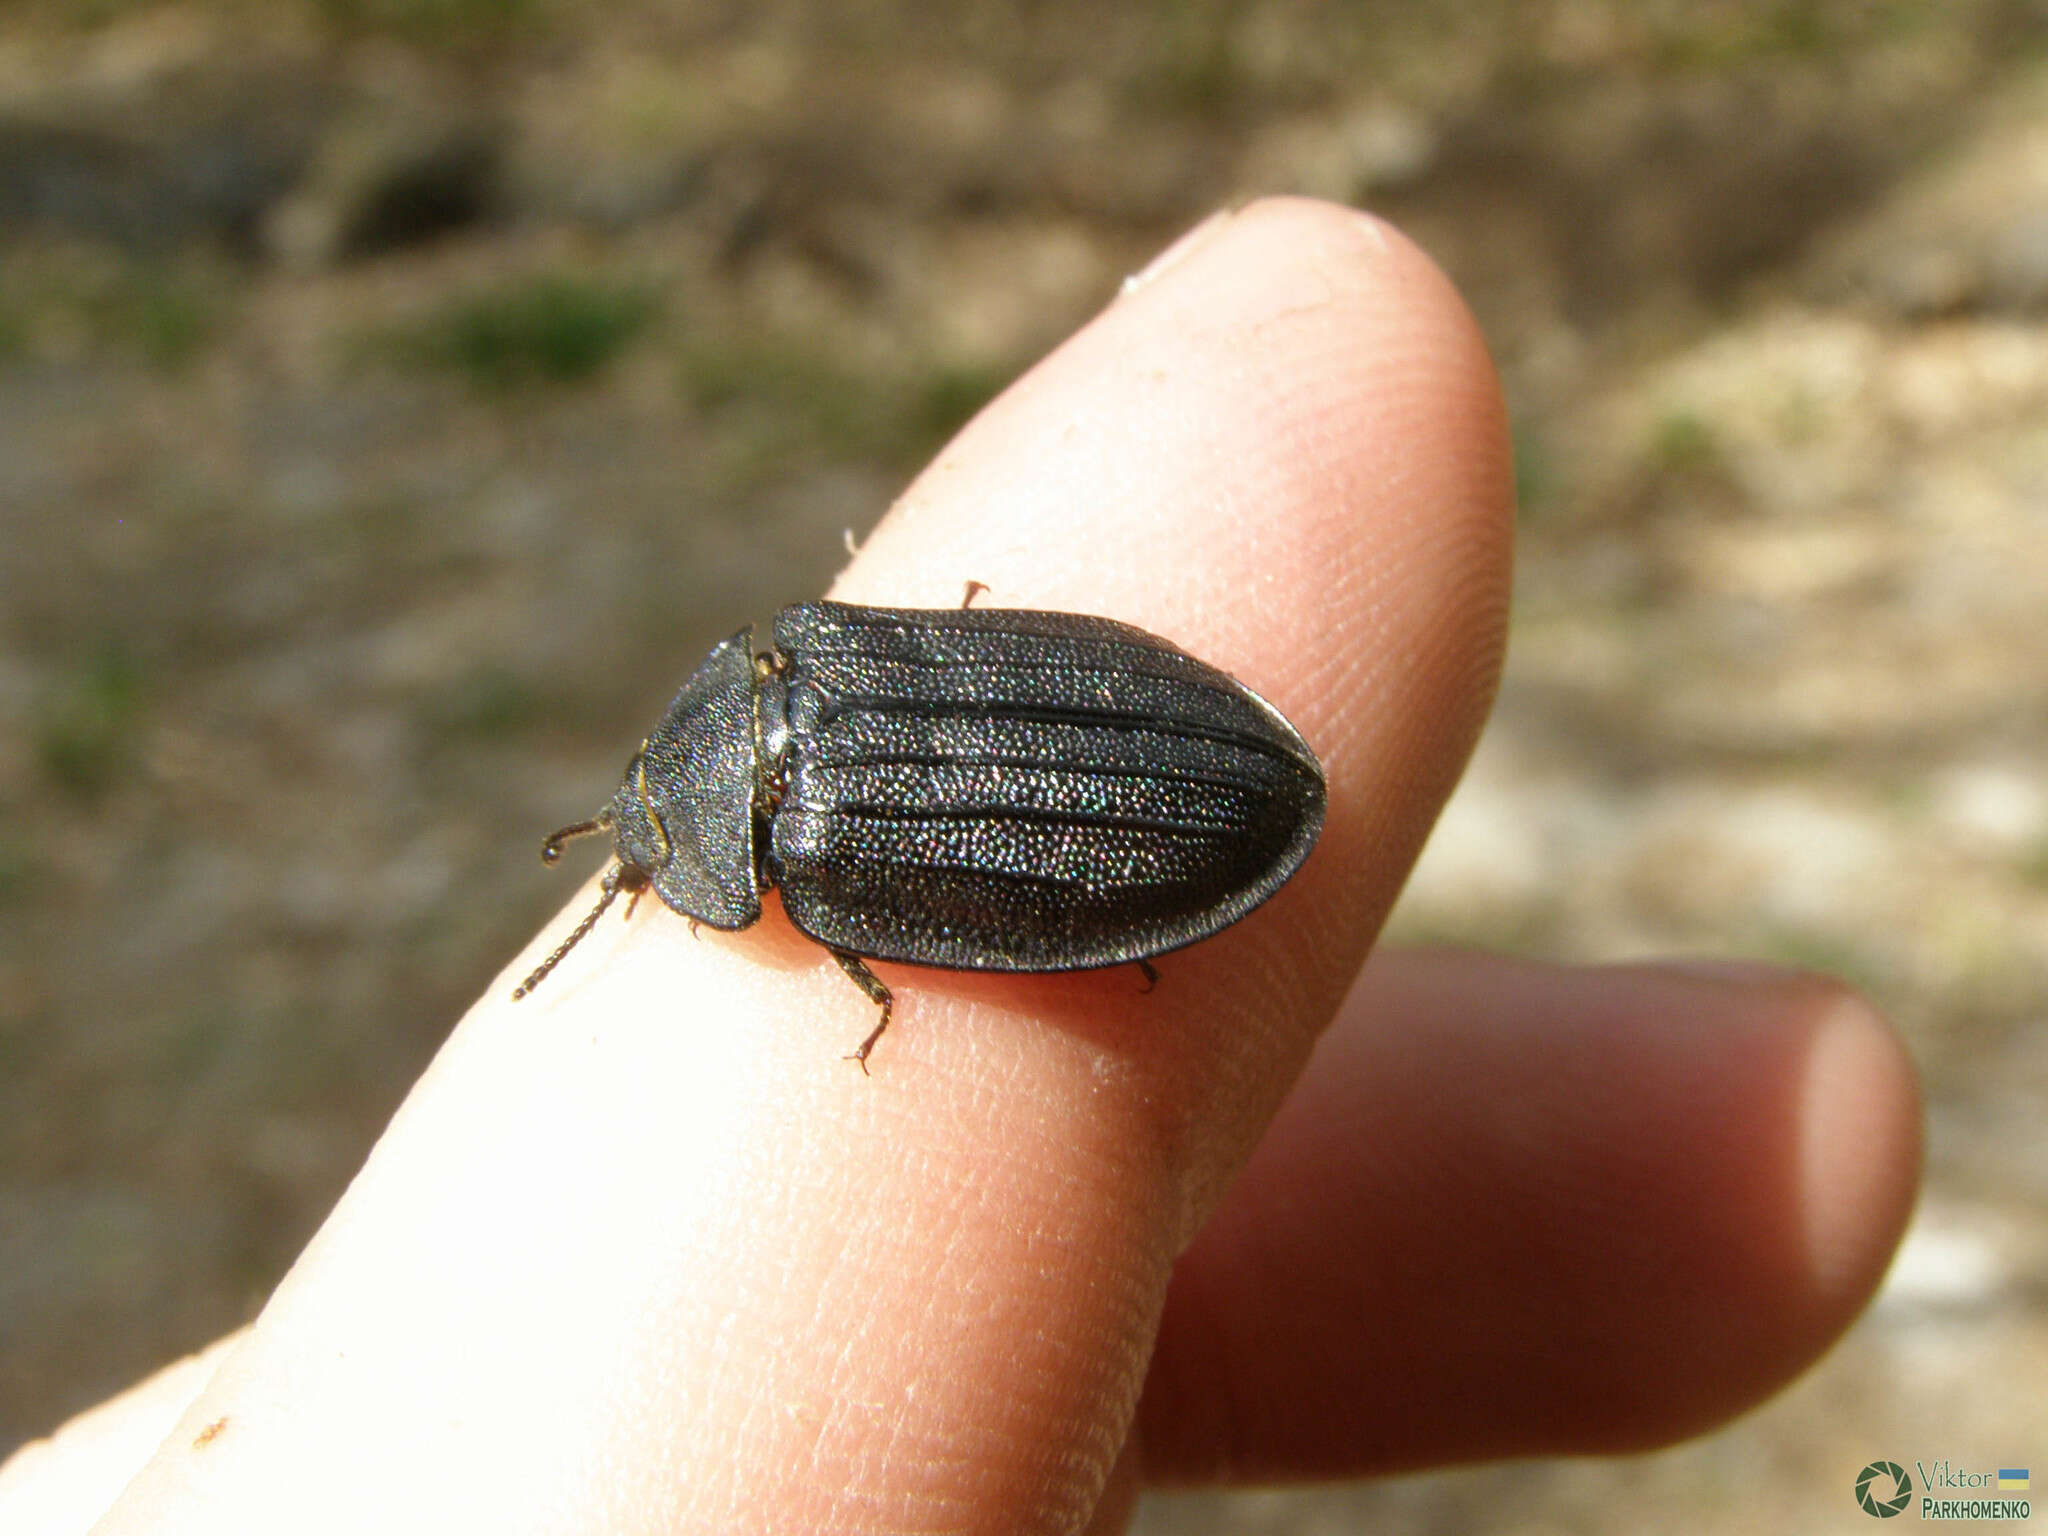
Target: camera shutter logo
{"x":1883,"y":1489}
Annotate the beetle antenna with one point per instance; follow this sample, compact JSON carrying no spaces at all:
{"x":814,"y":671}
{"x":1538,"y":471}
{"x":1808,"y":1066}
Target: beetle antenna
{"x":612,"y":880}
{"x":551,"y":850}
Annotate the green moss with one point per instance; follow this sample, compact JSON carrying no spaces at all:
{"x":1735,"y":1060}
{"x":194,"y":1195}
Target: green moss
{"x":18,"y":870}
{"x":165,"y":319}
{"x":486,"y":703}
{"x":13,"y":334}
{"x":186,"y":1050}
{"x":1535,"y":475}
{"x":2033,"y":865}
{"x":1196,"y":68}
{"x":776,"y":388}
{"x":546,"y":329}
{"x":1810,"y":949}
{"x":776,"y":395}
{"x":1724,"y":37}
{"x":445,"y":22}
{"x":1683,"y":442}
{"x":97,"y":13}
{"x":945,"y":400}
{"x":163,"y":312}
{"x":86,"y":724}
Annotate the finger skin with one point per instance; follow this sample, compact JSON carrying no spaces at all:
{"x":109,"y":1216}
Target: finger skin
{"x":1517,"y":1209}
{"x":641,"y":1253}
{"x":1451,"y":1048}
{"x":60,"y":1485}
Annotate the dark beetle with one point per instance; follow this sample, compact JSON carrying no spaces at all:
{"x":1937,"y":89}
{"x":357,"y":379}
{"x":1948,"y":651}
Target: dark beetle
{"x":979,"y":789}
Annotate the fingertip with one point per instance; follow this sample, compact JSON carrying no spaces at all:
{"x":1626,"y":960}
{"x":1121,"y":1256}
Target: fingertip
{"x":1860,"y":1150}
{"x":1283,"y":449}
{"x":1525,"y":1210}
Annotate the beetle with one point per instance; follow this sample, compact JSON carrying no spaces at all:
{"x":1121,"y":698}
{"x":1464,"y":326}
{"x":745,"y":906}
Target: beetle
{"x":978,"y":789}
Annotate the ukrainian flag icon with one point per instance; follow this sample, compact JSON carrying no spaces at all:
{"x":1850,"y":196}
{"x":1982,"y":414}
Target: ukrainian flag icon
{"x":2012,"y":1479}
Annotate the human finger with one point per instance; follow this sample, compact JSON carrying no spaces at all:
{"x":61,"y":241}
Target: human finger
{"x":1517,"y":1209}
{"x":640,"y":1252}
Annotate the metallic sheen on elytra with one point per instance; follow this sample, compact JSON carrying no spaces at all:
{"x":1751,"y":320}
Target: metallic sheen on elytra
{"x":978,"y":789}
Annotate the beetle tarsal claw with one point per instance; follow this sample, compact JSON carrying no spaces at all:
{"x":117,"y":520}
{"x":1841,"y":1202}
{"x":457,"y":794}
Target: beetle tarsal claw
{"x":871,"y":984}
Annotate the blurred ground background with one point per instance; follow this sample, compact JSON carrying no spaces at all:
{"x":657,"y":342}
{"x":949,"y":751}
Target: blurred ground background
{"x":397,"y":396}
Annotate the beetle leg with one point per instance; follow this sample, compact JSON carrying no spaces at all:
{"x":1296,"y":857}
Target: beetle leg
{"x":1151,"y":972}
{"x":974,"y":590}
{"x":871,"y":984}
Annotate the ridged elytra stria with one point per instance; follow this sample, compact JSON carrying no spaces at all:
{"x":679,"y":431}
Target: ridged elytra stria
{"x":977,"y":789}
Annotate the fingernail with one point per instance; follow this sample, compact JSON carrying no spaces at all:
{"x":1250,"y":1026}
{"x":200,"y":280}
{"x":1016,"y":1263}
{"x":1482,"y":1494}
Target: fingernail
{"x":1860,"y":1148}
{"x":1177,"y":252}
